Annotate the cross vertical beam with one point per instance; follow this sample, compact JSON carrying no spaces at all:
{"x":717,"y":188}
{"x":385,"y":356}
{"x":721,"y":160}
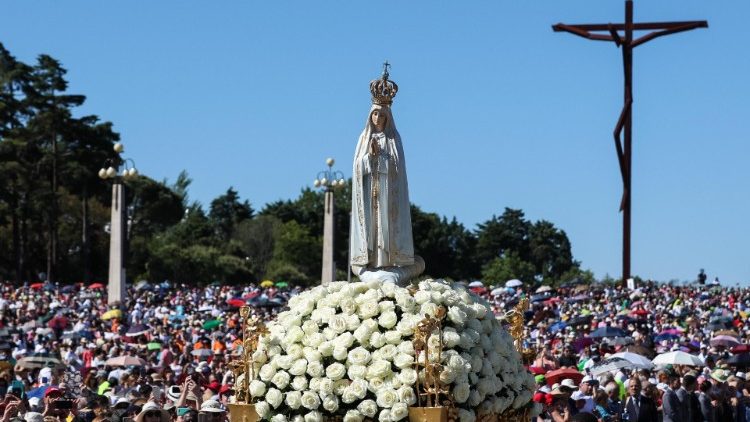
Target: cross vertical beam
{"x":624,"y":146}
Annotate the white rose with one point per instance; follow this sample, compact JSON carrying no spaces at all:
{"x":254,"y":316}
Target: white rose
{"x":358,"y":389}
{"x":374,"y":385}
{"x":399,"y":411}
{"x":293,"y":335}
{"x":281,"y":380}
{"x":305,"y":307}
{"x":348,"y":306}
{"x":475,"y":398}
{"x":352,"y":322}
{"x":368,"y":309}
{"x":294,"y":351}
{"x":378,"y":369}
{"x":257,"y":388}
{"x":356,"y":372}
{"x":314,"y":416}
{"x":385,"y":415}
{"x":330,"y":402}
{"x":337,"y":323}
{"x":298,"y":367}
{"x":313,"y":340}
{"x":293,"y":399}
{"x":315,"y":384}
{"x":267,"y":372}
{"x":392,"y":337}
{"x":326,"y":348}
{"x":406,"y":326}
{"x":339,"y":353}
{"x":387,"y":320}
{"x":451,"y":338}
{"x":422,"y":297}
{"x":362,"y":335}
{"x":310,"y":400}
{"x":262,"y":408}
{"x":274,"y":397}
{"x":403,"y":361}
{"x":329,"y":333}
{"x":457,"y":316}
{"x":344,"y":340}
{"x":278,"y":418}
{"x":475,"y":325}
{"x":325,"y":386}
{"x":377,"y":340}
{"x":466,"y":415}
{"x":406,"y":347}
{"x":480,"y":310}
{"x":388,"y":289}
{"x":315,"y":369}
{"x":394,"y":382}
{"x":386,"y":397}
{"x":310,"y":327}
{"x":335,"y":371}
{"x":406,"y":395}
{"x":429,"y":308}
{"x":311,"y":354}
{"x":358,"y":356}
{"x":450,"y":297}
{"x":299,"y":383}
{"x":353,"y":416}
{"x":406,"y":302}
{"x":388,"y":352}
{"x":368,"y":408}
{"x":447,"y":375}
{"x":408,"y":376}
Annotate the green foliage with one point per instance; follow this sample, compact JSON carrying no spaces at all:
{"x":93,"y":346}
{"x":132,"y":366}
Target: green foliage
{"x":508,"y":267}
{"x":227,"y":211}
{"x":447,"y":247}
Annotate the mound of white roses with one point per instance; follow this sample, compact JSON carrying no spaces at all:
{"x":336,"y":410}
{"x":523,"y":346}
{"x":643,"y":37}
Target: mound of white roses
{"x":346,"y":349}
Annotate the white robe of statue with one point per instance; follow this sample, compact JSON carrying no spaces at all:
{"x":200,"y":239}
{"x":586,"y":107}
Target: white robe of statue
{"x":381,"y":232}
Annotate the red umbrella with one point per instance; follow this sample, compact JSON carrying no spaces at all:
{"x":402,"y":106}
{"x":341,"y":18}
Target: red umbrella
{"x":640,"y":312}
{"x":558,"y":375}
{"x":58,"y":323}
{"x":478,"y":290}
{"x":96,"y":286}
{"x":537,"y":370}
{"x":37,"y":286}
{"x":740,"y":348}
{"x":236,"y":302}
{"x":251,"y":295}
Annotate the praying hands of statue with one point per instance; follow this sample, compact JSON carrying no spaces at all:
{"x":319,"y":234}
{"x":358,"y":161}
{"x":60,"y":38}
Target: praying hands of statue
{"x":374,"y":148}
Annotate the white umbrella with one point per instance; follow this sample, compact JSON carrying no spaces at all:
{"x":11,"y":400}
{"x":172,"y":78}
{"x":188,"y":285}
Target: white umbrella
{"x":544,"y":289}
{"x":476,"y":284}
{"x":513,"y":283}
{"x":677,"y":358}
{"x":611,"y":364}
{"x":637,"y":360}
{"x":497,"y":291}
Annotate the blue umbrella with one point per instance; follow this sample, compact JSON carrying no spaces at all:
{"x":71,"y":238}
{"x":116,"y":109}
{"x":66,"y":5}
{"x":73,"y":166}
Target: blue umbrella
{"x":558,"y":326}
{"x":67,"y":289}
{"x":37,"y":392}
{"x":608,"y":332}
{"x":665,"y":336}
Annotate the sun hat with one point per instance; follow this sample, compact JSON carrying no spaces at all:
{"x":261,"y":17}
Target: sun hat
{"x":568,"y":383}
{"x":33,"y":417}
{"x":212,"y":406}
{"x":741,"y":375}
{"x":539,"y":378}
{"x":587,"y":379}
{"x":153,"y":407}
{"x":719,"y":375}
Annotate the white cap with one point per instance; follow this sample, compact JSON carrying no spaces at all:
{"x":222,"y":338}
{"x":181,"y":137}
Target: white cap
{"x":741,"y":375}
{"x":211,"y":406}
{"x":587,"y":379}
{"x":567,"y":382}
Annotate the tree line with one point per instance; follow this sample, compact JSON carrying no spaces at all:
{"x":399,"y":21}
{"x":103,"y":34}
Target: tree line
{"x":54,"y":212}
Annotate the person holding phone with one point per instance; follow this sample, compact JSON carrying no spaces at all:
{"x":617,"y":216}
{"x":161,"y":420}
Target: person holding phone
{"x":55,"y":405}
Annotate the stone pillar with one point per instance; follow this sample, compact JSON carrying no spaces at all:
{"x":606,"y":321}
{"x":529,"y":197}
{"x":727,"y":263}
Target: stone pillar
{"x":117,"y":234}
{"x":329,"y":268}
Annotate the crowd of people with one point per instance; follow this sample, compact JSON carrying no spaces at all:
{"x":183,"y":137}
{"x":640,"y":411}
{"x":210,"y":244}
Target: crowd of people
{"x":605,"y":353}
{"x":654,"y":352}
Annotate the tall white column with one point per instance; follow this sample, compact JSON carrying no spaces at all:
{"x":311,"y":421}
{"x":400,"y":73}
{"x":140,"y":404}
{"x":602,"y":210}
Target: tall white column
{"x":329,"y":269}
{"x":117,"y":234}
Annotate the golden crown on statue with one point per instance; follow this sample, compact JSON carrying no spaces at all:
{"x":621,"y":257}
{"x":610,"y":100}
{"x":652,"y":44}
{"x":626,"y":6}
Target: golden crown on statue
{"x":383,"y":90}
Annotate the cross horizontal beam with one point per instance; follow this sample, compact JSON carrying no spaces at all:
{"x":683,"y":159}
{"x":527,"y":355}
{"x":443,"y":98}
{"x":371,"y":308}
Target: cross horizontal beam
{"x":646,"y":26}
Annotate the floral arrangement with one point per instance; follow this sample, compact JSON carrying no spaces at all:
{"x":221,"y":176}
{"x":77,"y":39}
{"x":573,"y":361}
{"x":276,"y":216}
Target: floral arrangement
{"x":345,"y":349}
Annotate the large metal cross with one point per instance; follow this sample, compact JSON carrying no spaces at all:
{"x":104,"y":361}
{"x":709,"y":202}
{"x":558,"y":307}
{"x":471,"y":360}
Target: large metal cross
{"x":610,"y":32}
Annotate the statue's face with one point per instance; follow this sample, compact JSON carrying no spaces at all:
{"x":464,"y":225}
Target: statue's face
{"x":378,"y":120}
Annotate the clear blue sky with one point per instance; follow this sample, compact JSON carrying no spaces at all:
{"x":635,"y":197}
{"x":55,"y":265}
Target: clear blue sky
{"x":495,"y":109}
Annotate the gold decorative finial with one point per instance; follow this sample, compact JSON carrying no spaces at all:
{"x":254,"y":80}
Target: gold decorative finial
{"x":383,"y":90}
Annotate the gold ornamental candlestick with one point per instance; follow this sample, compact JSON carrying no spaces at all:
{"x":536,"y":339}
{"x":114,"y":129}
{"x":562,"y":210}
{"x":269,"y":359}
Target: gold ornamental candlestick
{"x":242,"y":410}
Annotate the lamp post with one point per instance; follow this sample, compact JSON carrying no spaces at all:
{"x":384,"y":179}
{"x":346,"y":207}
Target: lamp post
{"x":118,"y":228}
{"x":329,"y":180}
